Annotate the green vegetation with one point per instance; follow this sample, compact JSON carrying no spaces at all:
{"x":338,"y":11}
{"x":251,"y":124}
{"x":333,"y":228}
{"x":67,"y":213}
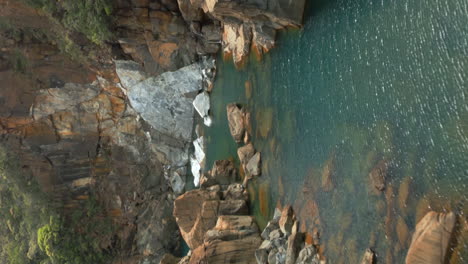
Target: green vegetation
{"x":90,"y":17}
{"x":19,"y":62}
{"x":34,"y":231}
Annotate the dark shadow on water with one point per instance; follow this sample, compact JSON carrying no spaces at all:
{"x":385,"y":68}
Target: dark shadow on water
{"x":313,"y":7}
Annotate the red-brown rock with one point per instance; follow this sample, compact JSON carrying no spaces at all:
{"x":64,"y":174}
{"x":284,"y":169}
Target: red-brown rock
{"x":431,"y":239}
{"x":235,"y":117}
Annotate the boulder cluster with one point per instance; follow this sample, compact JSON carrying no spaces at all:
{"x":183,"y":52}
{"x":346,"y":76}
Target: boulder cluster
{"x":239,"y":126}
{"x":240,"y":25}
{"x":283,"y":243}
{"x":214,"y":220}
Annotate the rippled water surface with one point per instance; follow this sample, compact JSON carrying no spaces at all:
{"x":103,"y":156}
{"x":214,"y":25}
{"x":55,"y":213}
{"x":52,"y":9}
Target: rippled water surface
{"x":363,"y":82}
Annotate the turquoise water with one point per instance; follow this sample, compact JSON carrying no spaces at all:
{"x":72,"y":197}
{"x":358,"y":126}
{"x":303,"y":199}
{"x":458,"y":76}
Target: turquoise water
{"x":363,"y":81}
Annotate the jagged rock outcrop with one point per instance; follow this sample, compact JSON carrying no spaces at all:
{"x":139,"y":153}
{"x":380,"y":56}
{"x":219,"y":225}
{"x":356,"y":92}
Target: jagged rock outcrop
{"x":253,"y":166}
{"x":235,"y":116}
{"x":245,"y":153}
{"x":283,"y":243}
{"x":223,"y":173}
{"x":308,"y":255}
{"x":214,"y":221}
{"x":431,"y":239}
{"x":232,"y":240}
{"x":165,"y":101}
{"x":155,"y":35}
{"x":287,"y":219}
{"x":246,"y":24}
{"x":196,"y":213}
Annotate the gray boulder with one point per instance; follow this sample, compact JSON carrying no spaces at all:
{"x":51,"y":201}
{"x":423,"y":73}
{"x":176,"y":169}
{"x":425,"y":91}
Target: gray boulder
{"x":202,"y":104}
{"x":306,"y":255}
{"x":165,"y":101}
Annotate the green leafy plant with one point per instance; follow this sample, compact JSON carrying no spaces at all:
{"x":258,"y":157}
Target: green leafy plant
{"x":19,"y":61}
{"x":36,"y":232}
{"x":89,"y":17}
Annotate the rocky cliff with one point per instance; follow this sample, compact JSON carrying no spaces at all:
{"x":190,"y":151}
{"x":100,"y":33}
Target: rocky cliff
{"x":116,"y":120}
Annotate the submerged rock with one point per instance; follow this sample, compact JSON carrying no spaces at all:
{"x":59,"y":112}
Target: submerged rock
{"x":431,"y":239}
{"x":378,"y":175}
{"x":235,"y":117}
{"x":248,"y":89}
{"x":264,"y":118}
{"x":403,"y":193}
{"x":328,"y":174}
{"x":402,"y":232}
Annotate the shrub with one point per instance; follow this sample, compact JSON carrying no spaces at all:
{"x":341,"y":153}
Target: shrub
{"x":19,"y":62}
{"x":35,"y":232}
{"x":89,"y":17}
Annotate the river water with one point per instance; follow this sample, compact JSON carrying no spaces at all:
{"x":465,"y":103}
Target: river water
{"x":364,"y":81}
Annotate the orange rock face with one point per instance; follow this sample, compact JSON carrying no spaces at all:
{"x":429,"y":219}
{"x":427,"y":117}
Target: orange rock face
{"x":431,"y":239}
{"x":195,"y":213}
